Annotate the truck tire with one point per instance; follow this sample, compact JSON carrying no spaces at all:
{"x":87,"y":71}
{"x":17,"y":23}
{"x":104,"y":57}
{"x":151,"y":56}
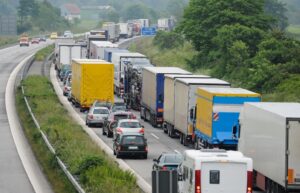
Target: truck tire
{"x":181,"y":138}
{"x":184,"y":142}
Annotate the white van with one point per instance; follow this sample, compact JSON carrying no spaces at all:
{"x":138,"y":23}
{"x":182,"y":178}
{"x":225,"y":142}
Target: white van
{"x":215,"y":171}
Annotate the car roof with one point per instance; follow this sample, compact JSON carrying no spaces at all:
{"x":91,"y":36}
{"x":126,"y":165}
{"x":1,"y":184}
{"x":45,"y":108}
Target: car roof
{"x":128,"y":120}
{"x":131,"y":134}
{"x":101,"y":108}
{"x":122,"y":113}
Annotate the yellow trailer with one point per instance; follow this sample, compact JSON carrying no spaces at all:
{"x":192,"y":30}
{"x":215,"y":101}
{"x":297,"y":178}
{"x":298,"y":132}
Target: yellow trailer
{"x":92,"y":80}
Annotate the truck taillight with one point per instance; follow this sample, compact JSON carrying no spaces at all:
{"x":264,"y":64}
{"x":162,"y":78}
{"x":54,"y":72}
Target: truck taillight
{"x":197,"y":181}
{"x":249,"y":181}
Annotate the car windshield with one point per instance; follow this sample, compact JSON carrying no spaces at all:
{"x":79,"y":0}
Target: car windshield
{"x":173,"y":158}
{"x":130,"y":124}
{"x":100,"y":111}
{"x":118,"y":108}
{"x":103,"y":104}
{"x":133,"y":140}
{"x":121,"y":116}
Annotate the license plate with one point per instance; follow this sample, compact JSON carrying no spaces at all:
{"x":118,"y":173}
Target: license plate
{"x":132,"y":147}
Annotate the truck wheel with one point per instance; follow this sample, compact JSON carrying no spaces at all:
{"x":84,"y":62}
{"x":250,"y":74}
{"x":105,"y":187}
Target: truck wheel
{"x":181,"y":138}
{"x":184,"y":140}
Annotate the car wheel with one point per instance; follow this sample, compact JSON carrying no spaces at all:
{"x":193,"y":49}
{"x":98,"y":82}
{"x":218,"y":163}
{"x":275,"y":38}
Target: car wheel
{"x":86,"y":122}
{"x":145,"y":156}
{"x":118,"y":155}
{"x":114,"y":152}
{"x":103,"y":132}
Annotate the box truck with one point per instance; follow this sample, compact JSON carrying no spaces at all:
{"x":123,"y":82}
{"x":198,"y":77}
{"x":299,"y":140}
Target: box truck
{"x":124,"y":30}
{"x":100,"y":36}
{"x":113,"y":31}
{"x":92,"y":80}
{"x":269,"y":134}
{"x":118,"y":59}
{"x":152,"y":103}
{"x":215,"y":171}
{"x":67,"y":52}
{"x":108,"y":53}
{"x":217,"y":116}
{"x":97,"y":49}
{"x":185,"y":105}
{"x":169,"y":99}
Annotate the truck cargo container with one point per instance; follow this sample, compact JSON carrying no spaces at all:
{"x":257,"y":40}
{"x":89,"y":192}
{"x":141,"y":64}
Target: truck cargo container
{"x":62,"y":40}
{"x":152,"y":105}
{"x":67,"y":52}
{"x":118,"y":60}
{"x":108,"y":53}
{"x":124,"y":30}
{"x":92,"y":80}
{"x":97,"y":49}
{"x":165,"y":24}
{"x":113,"y":31}
{"x":101,"y":36}
{"x":185,"y":105}
{"x":217,"y":115}
{"x":133,"y":81}
{"x":169,"y":99}
{"x":269,"y":134}
{"x":215,"y":171}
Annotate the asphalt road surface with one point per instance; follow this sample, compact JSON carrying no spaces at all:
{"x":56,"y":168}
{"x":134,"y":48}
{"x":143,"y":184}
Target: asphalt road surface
{"x":13,"y":178}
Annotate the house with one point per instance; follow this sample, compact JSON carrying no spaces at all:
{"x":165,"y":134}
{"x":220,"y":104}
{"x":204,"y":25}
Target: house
{"x":70,"y":11}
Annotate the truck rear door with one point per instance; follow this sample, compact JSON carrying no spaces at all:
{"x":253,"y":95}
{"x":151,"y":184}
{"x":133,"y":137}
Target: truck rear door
{"x":294,"y":153}
{"x":223,"y":177}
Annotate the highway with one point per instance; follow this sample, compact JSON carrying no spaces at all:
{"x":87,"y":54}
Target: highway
{"x":19,"y":169}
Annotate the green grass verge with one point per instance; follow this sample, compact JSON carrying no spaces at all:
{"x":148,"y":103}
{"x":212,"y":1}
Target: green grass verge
{"x":43,"y":53}
{"x":6,"y":40}
{"x":294,"y":31}
{"x":95,"y":170}
{"x":47,"y":161}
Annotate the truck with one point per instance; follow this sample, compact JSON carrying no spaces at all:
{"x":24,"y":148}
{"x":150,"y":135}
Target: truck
{"x":217,"y":116}
{"x":92,"y":80}
{"x":108,"y":53}
{"x":100,"y":36}
{"x":215,"y":171}
{"x":152,"y":102}
{"x":169,"y":99}
{"x":118,"y":59}
{"x":133,"y":81}
{"x":124,"y":30}
{"x":62,"y":40}
{"x":113,"y":31}
{"x":67,"y":52}
{"x":24,"y":40}
{"x":269,"y":134}
{"x":166,"y":24}
{"x":185,"y":105}
{"x":97,"y":49}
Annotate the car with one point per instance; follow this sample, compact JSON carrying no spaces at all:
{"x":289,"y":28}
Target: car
{"x":98,"y":103}
{"x":67,"y":88}
{"x":128,"y":126}
{"x":35,"y":41}
{"x":68,"y":34}
{"x":118,"y":106}
{"x":96,"y":116}
{"x":43,"y":39}
{"x":130,"y":144}
{"x":53,"y":35}
{"x":67,"y":77}
{"x":69,"y":96}
{"x":167,"y":161}
{"x":64,"y":74}
{"x":112,"y":119}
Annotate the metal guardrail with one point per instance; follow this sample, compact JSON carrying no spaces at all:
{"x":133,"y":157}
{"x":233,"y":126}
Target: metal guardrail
{"x":49,"y":145}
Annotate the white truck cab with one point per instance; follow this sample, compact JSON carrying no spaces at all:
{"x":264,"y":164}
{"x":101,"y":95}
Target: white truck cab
{"x":215,"y":171}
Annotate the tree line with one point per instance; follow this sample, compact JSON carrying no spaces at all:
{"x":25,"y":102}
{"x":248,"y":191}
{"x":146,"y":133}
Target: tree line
{"x":244,"y":42}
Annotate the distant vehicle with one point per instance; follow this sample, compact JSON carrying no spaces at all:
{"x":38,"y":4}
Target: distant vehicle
{"x":24,"y":40}
{"x":66,"y":52}
{"x":98,"y":103}
{"x":68,"y":34}
{"x":67,"y":88}
{"x":130,"y":144}
{"x":113,"y":118}
{"x":63,"y":71}
{"x":67,"y":77}
{"x":96,"y":116}
{"x":167,"y":161}
{"x":53,"y":35}
{"x":128,"y":126}
{"x":215,"y":171}
{"x":118,"y":106}
{"x":35,"y":41}
{"x":43,"y":39}
{"x":64,"y":75}
{"x":70,"y":95}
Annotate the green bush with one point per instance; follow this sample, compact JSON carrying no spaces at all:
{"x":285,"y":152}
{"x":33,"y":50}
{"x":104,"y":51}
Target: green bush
{"x":168,"y":40}
{"x":96,"y":171}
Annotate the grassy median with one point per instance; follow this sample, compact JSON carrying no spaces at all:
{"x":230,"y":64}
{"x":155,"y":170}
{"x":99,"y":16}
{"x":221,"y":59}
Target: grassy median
{"x":43,"y":53}
{"x":94,"y":169}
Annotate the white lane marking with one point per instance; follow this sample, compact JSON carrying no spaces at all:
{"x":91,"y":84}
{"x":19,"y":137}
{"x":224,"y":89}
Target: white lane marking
{"x":154,"y":136}
{"x":177,"y":151}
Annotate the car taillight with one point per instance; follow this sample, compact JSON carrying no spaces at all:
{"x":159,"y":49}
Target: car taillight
{"x":119,"y":130}
{"x":197,"y":181}
{"x":119,"y":148}
{"x":249,"y":181}
{"x":91,"y":116}
{"x":164,"y":168}
{"x":146,"y":148}
{"x":142,"y":131}
{"x":133,"y":117}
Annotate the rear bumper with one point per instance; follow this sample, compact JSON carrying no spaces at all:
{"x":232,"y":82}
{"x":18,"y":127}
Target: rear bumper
{"x":135,"y":153}
{"x":95,"y":121}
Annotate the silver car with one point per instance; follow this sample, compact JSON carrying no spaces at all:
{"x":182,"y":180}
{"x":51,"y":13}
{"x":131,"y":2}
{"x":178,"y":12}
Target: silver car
{"x":96,"y":116}
{"x":128,"y":126}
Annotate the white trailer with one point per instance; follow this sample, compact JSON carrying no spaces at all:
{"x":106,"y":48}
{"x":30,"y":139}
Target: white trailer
{"x":169,"y":99}
{"x":62,"y":40}
{"x":185,"y":105}
{"x":124,"y":30}
{"x":215,"y":171}
{"x":117,"y":59}
{"x":113,"y":31}
{"x":97,"y":49}
{"x":269,"y":134}
{"x":67,"y":52}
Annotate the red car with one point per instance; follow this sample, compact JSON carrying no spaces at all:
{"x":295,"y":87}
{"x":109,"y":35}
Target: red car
{"x":35,"y":41}
{"x":113,"y":118}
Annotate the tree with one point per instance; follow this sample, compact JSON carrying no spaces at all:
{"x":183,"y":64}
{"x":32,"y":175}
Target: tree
{"x":176,"y":8}
{"x":135,"y":11}
{"x":26,"y":9}
{"x":278,"y":11}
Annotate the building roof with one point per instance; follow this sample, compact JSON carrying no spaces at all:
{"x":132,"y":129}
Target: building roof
{"x":72,"y":8}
